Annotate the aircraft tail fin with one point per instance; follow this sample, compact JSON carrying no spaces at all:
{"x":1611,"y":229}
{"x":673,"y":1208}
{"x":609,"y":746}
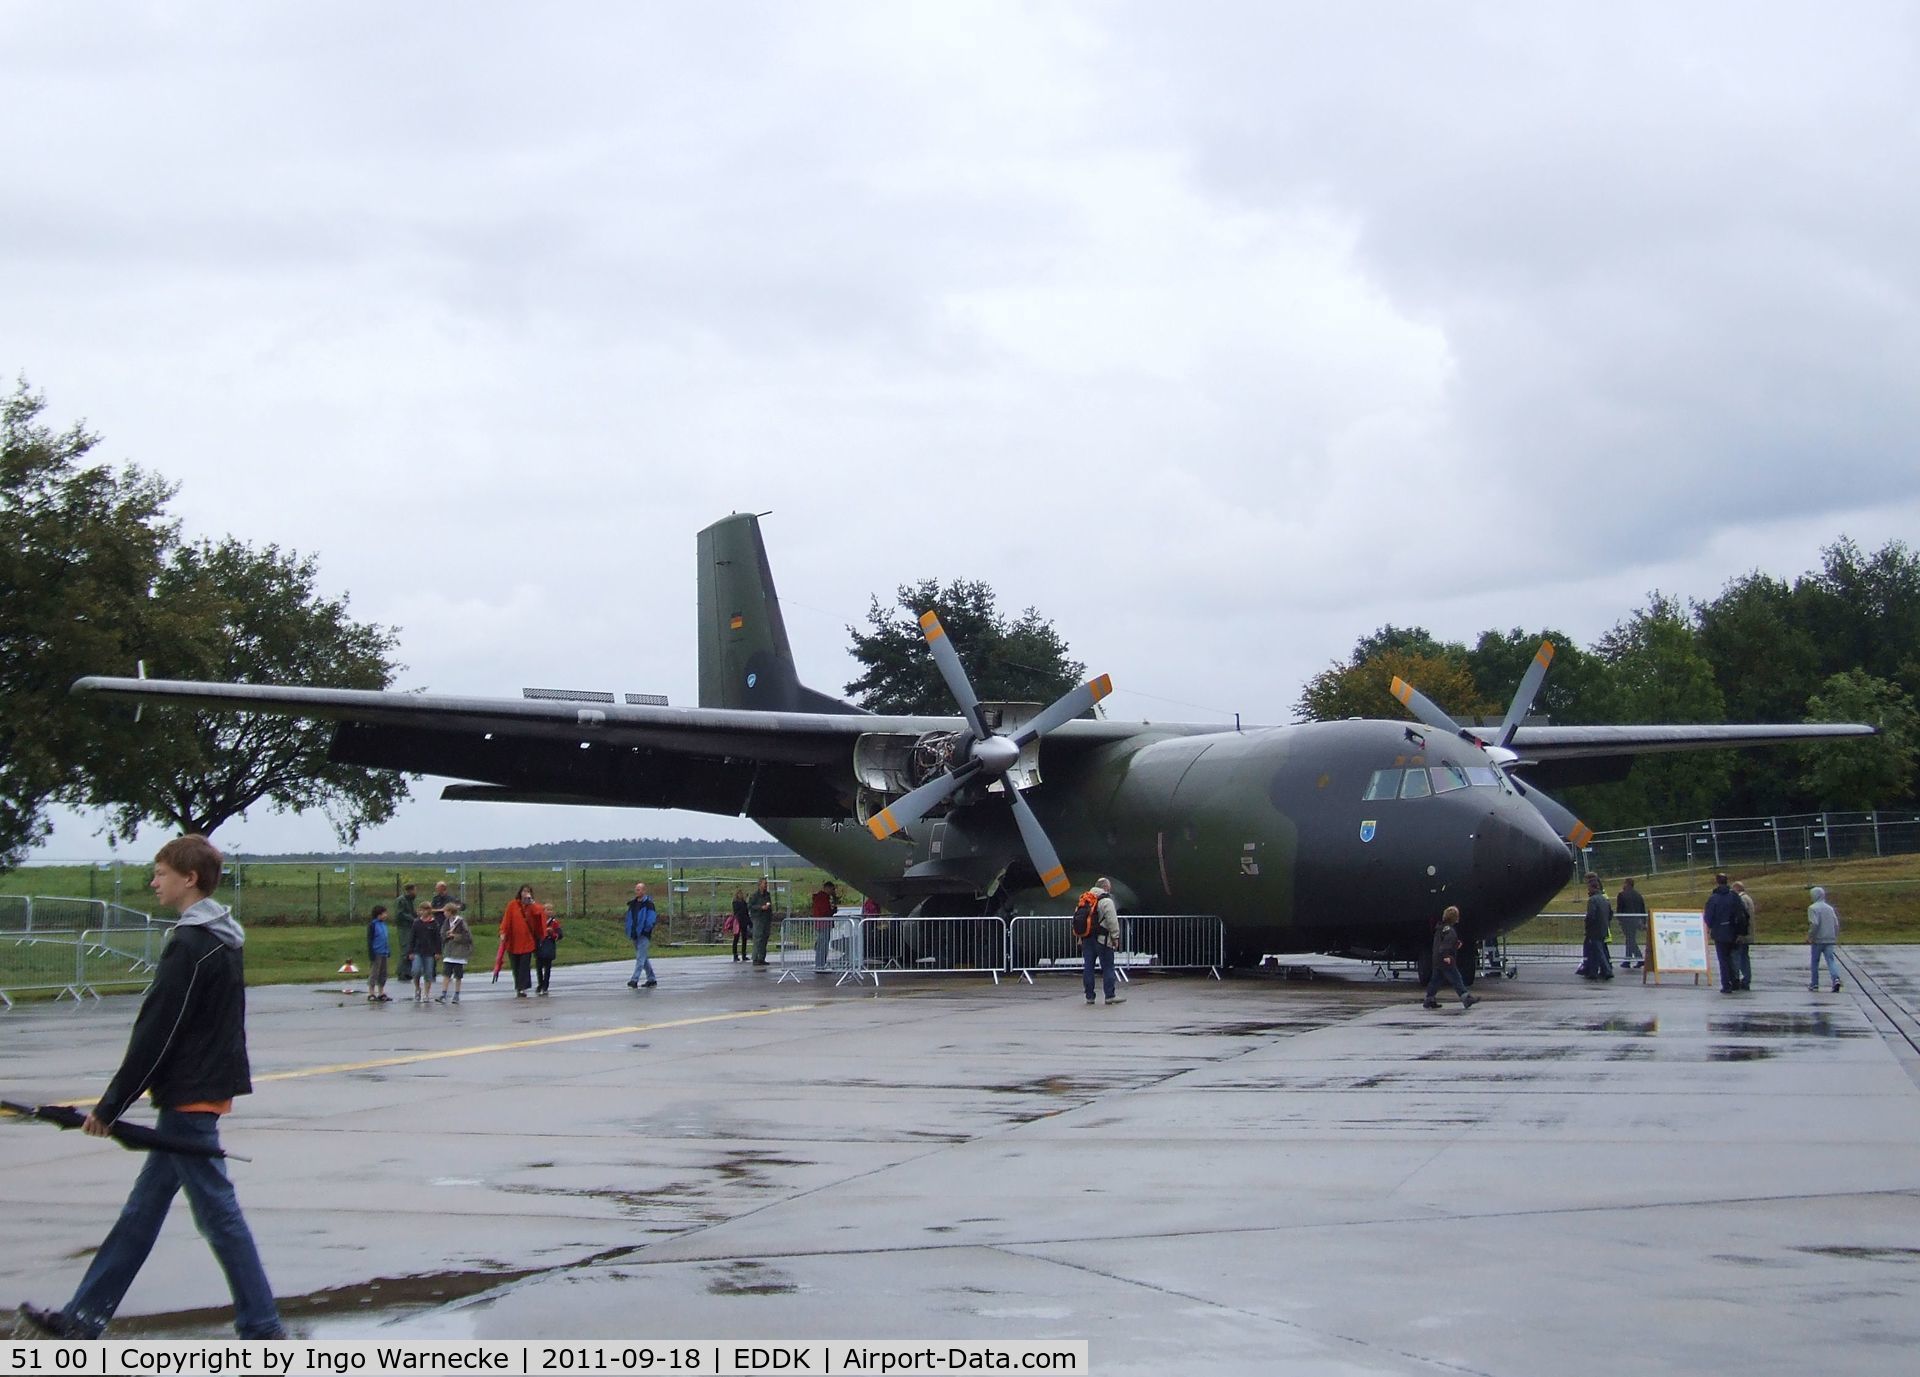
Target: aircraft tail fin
{"x":745,"y":659}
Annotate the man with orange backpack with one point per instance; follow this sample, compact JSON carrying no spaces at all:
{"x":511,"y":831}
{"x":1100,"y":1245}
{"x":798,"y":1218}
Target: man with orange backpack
{"x":1096,"y":922}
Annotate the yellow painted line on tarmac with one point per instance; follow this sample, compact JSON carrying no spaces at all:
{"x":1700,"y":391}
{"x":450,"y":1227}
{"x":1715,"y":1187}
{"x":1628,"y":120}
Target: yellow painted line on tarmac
{"x":410,"y":1058}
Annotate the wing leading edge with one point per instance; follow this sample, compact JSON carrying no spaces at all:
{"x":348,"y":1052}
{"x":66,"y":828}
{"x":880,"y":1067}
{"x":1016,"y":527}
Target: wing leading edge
{"x":716,"y":760}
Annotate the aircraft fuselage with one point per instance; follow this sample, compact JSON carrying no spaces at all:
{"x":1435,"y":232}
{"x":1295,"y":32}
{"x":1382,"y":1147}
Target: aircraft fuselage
{"x":1270,"y":829}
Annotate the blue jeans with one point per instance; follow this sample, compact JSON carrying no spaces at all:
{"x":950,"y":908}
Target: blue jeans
{"x":642,"y":965}
{"x":1092,"y":949}
{"x":1448,"y":971}
{"x":216,"y":1212}
{"x":1833,"y":963}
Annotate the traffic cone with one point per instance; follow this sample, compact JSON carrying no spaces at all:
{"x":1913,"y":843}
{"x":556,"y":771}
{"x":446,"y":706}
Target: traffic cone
{"x":349,"y":969}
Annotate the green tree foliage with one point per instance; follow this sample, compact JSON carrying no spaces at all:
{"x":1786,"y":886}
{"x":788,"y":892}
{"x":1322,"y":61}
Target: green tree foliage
{"x":1019,"y":661}
{"x":1574,"y":688}
{"x":229,"y":611}
{"x":1362,"y":687}
{"x":1656,"y":673}
{"x":1863,"y":611}
{"x":1767,"y":663}
{"x":1866,"y":774}
{"x":80,"y":547}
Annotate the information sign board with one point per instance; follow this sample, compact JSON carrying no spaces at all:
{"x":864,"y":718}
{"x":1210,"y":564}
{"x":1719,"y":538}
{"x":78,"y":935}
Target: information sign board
{"x":1679,"y":945}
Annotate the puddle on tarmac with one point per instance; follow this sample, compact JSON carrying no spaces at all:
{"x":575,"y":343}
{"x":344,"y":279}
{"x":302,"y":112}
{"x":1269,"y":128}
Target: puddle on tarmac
{"x":1864,"y":1254}
{"x":1251,"y":1029}
{"x":747,"y":1278}
{"x":1785,"y":1024}
{"x":1733,"y":1051}
{"x":357,"y":1303}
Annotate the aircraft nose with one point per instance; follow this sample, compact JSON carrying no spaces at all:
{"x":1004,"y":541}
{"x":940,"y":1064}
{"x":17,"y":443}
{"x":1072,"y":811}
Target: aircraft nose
{"x":1518,"y":863}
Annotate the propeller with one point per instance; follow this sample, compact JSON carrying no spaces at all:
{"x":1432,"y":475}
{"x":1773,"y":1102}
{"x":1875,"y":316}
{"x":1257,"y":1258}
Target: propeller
{"x":989,"y":755}
{"x":1500,"y":749}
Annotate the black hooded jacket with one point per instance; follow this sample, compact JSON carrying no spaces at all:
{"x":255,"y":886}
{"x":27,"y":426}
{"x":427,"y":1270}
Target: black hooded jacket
{"x":189,"y":1042}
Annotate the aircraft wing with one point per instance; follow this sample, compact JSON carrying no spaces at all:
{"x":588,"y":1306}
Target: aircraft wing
{"x":1574,"y":743}
{"x":1564,"y":757}
{"x":720,"y":760}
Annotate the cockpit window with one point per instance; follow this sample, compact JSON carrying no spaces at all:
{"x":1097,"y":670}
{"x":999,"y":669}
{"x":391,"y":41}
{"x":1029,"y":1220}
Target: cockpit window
{"x":1415,"y":785}
{"x":1482,"y":777}
{"x":1384,"y":784}
{"x":1447,"y":778}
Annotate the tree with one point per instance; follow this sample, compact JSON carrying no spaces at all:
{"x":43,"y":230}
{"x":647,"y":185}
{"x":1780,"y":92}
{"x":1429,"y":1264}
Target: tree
{"x":1574,"y":686}
{"x":224,"y":610}
{"x":80,"y":549}
{"x":1864,"y":774}
{"x":1767,"y":665}
{"x":1656,"y":673}
{"x":1022,"y":661}
{"x":1364,"y":689}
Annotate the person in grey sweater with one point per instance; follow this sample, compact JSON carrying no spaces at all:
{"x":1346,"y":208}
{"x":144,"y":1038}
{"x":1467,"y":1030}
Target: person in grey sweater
{"x":1823,"y":932}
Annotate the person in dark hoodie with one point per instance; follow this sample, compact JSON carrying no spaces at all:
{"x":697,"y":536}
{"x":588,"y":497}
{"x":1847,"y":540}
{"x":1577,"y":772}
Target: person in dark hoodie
{"x":189,"y":1050}
{"x":1727,"y":923}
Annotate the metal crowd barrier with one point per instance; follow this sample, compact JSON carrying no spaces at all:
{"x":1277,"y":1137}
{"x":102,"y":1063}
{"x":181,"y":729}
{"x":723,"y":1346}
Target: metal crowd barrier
{"x":1543,"y":937}
{"x":72,"y":948}
{"x":1174,"y":941}
{"x":866,"y":948}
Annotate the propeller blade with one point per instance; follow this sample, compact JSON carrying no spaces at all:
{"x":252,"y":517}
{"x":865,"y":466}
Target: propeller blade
{"x":1046,"y":861}
{"x":1558,"y":815}
{"x":1065,"y":708}
{"x":1423,"y":707}
{"x":947,"y":660}
{"x":913,"y":806}
{"x":1524,"y":695}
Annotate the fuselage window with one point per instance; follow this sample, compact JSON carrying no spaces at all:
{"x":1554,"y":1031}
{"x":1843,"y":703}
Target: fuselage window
{"x":1384,"y":784}
{"x":1483,"y":777}
{"x":1447,"y":778}
{"x":1415,"y":785}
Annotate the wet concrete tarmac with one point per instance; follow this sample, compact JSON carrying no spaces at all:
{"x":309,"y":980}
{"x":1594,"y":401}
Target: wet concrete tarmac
{"x":1212,"y":1177}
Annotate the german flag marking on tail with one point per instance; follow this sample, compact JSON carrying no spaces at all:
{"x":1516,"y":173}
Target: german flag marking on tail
{"x":737,"y":622}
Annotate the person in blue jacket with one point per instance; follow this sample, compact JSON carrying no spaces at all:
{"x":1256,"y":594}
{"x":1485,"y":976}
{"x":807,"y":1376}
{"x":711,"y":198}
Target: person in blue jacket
{"x":378,"y":949}
{"x":642,"y":917}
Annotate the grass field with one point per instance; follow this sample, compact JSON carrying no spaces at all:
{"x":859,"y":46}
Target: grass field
{"x":1878,"y":898}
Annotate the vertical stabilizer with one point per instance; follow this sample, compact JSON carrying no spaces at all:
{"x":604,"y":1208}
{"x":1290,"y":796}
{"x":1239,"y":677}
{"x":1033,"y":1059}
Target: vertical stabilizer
{"x":745,"y":659}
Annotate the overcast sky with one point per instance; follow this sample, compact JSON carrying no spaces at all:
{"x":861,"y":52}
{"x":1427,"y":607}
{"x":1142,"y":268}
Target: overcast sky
{"x":1221,"y":333}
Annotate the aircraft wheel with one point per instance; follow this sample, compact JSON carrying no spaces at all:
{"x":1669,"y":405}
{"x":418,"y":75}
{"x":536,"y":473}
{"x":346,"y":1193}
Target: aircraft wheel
{"x":1423,"y":963}
{"x":1469,"y":959}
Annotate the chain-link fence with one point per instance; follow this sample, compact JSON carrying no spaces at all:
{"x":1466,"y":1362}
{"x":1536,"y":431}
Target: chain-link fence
{"x":1751,"y":844}
{"x":694,"y":895}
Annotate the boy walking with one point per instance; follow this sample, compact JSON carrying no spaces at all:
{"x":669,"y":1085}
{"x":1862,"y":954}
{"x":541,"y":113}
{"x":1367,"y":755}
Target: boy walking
{"x":189,"y":1049}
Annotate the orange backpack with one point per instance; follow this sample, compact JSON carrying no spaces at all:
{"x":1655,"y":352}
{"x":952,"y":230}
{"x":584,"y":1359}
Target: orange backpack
{"x":1086,"y":915}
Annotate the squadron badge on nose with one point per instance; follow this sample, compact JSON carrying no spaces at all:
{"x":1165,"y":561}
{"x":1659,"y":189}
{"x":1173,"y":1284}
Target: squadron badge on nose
{"x":1367,"y":829}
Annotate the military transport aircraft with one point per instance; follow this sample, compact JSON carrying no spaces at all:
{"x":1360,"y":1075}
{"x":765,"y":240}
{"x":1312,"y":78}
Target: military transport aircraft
{"x":1341,"y":837}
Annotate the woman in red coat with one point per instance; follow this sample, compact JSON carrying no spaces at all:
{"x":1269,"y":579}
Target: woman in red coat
{"x":520,"y":929}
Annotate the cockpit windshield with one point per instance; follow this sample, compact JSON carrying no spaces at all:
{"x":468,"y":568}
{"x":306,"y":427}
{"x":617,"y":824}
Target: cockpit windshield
{"x":1420,"y":781}
{"x":1384,"y":784}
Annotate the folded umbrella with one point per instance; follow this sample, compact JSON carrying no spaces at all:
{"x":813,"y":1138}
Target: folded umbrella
{"x":500,"y":958}
{"x":132,"y":1137}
